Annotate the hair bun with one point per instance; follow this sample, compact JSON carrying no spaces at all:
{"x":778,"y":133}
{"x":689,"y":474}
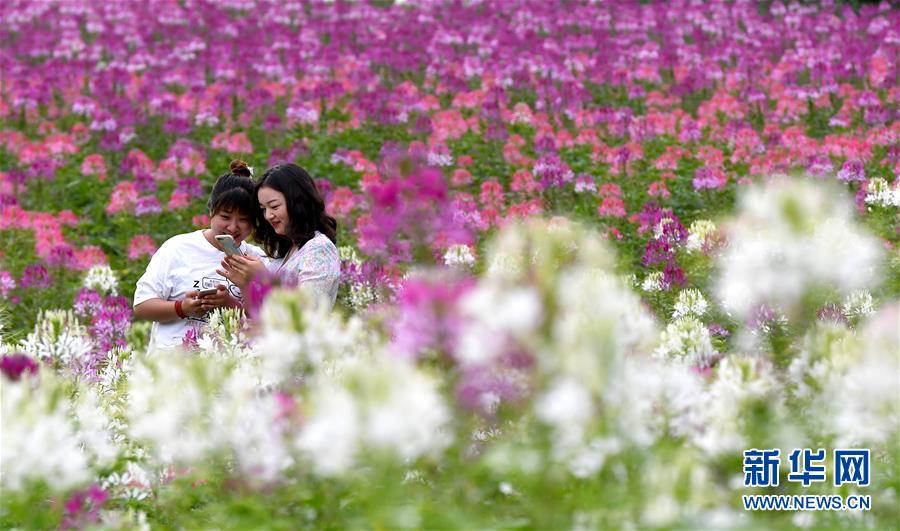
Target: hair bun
{"x":239,"y":167}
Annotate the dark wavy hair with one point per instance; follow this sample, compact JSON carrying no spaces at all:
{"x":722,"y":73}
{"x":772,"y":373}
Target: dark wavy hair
{"x":234,"y":192}
{"x":305,"y":208}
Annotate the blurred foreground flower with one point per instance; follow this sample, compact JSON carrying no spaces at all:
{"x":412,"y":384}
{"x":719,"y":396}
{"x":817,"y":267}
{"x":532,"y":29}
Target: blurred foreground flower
{"x":792,"y":237}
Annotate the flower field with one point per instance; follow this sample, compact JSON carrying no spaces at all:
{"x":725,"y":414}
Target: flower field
{"x":592,"y":252}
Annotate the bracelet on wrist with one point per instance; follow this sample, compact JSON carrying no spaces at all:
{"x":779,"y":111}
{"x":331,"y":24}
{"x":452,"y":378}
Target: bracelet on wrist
{"x":178,"y":310}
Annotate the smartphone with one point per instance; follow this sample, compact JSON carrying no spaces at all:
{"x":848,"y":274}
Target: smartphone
{"x":208,"y":291}
{"x":227,"y":243}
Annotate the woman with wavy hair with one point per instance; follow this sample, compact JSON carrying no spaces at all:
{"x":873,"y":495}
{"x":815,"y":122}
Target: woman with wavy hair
{"x":296,"y":233}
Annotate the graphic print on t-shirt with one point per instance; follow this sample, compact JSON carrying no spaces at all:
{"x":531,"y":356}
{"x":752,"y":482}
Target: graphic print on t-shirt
{"x":213,"y":282}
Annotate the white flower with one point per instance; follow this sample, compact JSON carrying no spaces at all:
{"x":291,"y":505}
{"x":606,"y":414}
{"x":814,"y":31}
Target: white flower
{"x":206,"y":118}
{"x":362,"y":294}
{"x":882,"y":194}
{"x":858,"y":304}
{"x":330,"y":435}
{"x":589,"y":459}
{"x":186,"y":408}
{"x":688,"y":340}
{"x":39,"y":441}
{"x":659,"y":229}
{"x":507,"y":489}
{"x":58,"y":336}
{"x":790,"y":237}
{"x":124,"y":519}
{"x":567,"y":406}
{"x":348,"y":253}
{"x":459,"y":255}
{"x":828,"y":349}
{"x":646,"y":395}
{"x":598,"y":322}
{"x":301,"y":336}
{"x":412,"y":420}
{"x":102,"y":279}
{"x":167,"y":405}
{"x":698,"y":234}
{"x":113,"y":370}
{"x":652,"y":282}
{"x":95,"y":428}
{"x":715,"y":423}
{"x":135,"y":483}
{"x":246,"y":422}
{"x":864,"y":399}
{"x":496,"y":314}
{"x":690,"y":302}
{"x":378,"y":404}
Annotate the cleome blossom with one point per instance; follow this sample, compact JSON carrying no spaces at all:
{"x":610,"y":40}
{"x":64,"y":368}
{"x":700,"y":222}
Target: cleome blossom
{"x":790,"y":237}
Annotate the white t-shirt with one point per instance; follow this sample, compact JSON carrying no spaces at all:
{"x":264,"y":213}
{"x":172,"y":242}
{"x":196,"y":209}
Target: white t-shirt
{"x":183,"y":263}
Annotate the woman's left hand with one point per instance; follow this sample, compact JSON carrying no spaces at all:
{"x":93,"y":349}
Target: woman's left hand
{"x":240,"y":270}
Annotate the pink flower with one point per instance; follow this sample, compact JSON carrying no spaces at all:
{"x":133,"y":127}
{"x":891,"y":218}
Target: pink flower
{"x":612,"y":206}
{"x":167,"y":170}
{"x":140,"y":246}
{"x":523,"y":210}
{"x":7,"y":283}
{"x":585,"y":183}
{"x":447,"y":125}
{"x":552,"y":171}
{"x":200,"y":221}
{"x":523,"y":181}
{"x":658,"y":189}
{"x":232,"y":143}
{"x":90,"y":256}
{"x":409,"y":213}
{"x":136,"y":162}
{"x":147,"y":205}
{"x":123,"y":197}
{"x":710,"y":178}
{"x":491,"y":194}
{"x":428,"y":318}
{"x":461,"y":177}
{"x":489,"y":215}
{"x":178,"y":200}
{"x":342,"y":202}
{"x":94,"y":165}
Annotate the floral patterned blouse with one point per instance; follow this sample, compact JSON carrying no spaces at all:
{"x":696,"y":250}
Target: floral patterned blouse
{"x":317,"y":266}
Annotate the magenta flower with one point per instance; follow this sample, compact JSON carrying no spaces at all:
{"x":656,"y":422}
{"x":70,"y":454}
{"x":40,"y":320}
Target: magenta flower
{"x":552,"y":171}
{"x":61,"y":255}
{"x":36,"y":276}
{"x":13,"y":366}
{"x":708,"y":177}
{"x":427,"y":317}
{"x":852,"y":171}
{"x":87,"y":303}
{"x":409,"y":212}
{"x":83,"y":508}
{"x":147,"y":205}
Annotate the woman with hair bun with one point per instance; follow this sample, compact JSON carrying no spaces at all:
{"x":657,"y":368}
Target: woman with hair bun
{"x":168,"y":293}
{"x":296,"y":233}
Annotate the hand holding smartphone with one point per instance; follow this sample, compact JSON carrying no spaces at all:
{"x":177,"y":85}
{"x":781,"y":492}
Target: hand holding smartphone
{"x":227,"y":243}
{"x":209,"y":291}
